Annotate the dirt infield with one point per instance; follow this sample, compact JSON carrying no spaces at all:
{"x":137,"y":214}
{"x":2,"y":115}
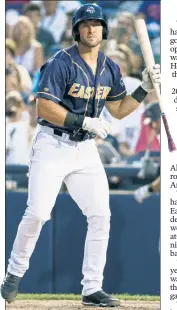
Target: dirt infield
{"x":76,"y":305}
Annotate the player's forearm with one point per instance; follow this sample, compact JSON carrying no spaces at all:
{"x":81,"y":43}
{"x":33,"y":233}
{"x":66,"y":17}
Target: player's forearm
{"x":127,"y":105}
{"x":59,"y":116}
{"x":131,"y":102}
{"x":124,"y":150}
{"x":51,"y":112}
{"x":155,"y":185}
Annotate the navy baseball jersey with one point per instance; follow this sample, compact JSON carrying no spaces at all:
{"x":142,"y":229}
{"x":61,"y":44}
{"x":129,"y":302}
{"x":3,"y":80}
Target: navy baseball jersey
{"x":69,"y":81}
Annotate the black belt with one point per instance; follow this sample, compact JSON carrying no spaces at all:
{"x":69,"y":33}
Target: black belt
{"x":77,"y":136}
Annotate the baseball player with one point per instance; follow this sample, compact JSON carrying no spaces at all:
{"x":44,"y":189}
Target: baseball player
{"x":152,"y":119}
{"x":74,"y":86}
{"x":145,"y":191}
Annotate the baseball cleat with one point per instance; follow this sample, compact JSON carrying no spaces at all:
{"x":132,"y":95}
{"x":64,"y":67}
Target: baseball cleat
{"x":100,"y":299}
{"x":9,"y":287}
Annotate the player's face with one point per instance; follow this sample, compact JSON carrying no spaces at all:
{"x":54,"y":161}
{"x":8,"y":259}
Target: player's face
{"x":91,"y":32}
{"x":125,"y":24}
{"x":50,"y":6}
{"x":156,"y":126}
{"x":35,"y":17}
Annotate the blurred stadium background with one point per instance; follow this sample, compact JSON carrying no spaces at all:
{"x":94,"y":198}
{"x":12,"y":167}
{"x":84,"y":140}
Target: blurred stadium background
{"x":35,"y":30}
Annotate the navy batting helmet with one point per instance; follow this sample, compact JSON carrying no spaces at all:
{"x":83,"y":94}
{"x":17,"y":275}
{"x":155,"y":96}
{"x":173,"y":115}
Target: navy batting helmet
{"x":86,"y":12}
{"x":152,"y":113}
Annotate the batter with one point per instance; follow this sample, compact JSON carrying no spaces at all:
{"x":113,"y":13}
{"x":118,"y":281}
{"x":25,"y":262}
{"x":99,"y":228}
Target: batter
{"x":74,"y":86}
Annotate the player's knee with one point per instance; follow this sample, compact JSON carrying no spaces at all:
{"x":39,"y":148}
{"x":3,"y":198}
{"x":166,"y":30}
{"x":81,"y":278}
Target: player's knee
{"x":99,"y":227}
{"x":97,"y":208}
{"x":37,"y":215}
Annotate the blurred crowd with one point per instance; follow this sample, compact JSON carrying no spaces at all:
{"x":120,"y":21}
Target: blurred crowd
{"x":35,"y":30}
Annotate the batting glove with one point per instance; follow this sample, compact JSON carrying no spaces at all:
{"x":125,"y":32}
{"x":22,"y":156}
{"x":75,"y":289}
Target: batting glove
{"x":151,"y":76}
{"x":99,"y":127}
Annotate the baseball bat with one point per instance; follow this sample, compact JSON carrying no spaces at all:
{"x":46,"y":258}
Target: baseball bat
{"x":148,"y":56}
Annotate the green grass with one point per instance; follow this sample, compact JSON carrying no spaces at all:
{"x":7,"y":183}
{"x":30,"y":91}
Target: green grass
{"x":78,"y":297}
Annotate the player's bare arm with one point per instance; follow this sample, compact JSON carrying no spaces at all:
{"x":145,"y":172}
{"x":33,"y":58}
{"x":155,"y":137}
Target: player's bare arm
{"x":51,"y":111}
{"x":145,"y":191}
{"x":121,"y":108}
{"x":59,"y":116}
{"x":156,"y":185}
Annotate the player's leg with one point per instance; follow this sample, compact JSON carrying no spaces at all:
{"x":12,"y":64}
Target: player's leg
{"x":45,"y":178}
{"x":89,"y":188}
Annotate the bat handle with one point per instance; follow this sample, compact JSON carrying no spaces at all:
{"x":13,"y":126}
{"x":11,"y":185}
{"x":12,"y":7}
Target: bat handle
{"x":171,"y":144}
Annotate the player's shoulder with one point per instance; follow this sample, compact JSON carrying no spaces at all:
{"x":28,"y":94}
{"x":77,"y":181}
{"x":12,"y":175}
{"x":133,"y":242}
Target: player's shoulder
{"x":61,"y":59}
{"x":65,"y":55}
{"x":55,"y":60}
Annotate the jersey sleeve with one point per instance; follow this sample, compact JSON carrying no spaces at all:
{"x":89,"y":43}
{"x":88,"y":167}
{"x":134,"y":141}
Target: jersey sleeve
{"x":53,"y":80}
{"x":118,"y":90}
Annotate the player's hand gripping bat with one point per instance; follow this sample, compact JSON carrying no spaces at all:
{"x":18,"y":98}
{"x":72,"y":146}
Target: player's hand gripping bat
{"x":146,"y":49}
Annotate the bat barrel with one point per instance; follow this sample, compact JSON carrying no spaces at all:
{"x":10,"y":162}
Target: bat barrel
{"x":143,"y":37}
{"x":148,"y":56}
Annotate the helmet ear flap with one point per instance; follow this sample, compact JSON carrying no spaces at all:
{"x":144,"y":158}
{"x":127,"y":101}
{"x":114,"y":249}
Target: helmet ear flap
{"x":105,"y":33}
{"x":76,"y":34}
